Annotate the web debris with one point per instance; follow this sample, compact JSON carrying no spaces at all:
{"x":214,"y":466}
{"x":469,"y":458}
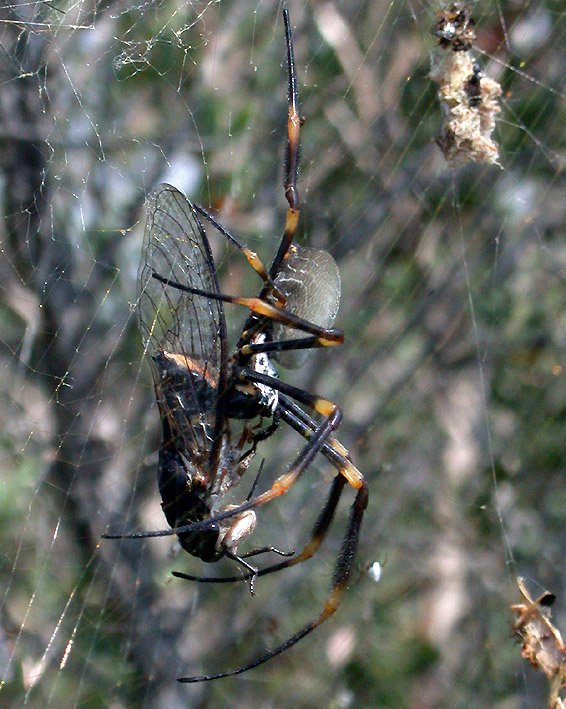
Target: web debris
{"x":541,"y":642}
{"x":469,"y":100}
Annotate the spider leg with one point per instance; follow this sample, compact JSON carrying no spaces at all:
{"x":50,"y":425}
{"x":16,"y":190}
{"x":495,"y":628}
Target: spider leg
{"x":298,"y":419}
{"x":265,"y":433}
{"x":322,"y":406}
{"x":255,"y":482}
{"x":252,"y":572}
{"x":319,"y":436}
{"x":340,"y":580}
{"x":337,"y":455}
{"x":284,"y":482}
{"x":281,"y":485}
{"x":252,"y":257}
{"x":261,"y":435}
{"x":291,"y":156}
{"x":258,"y":306}
{"x":303,"y":343}
{"x":317,"y":537}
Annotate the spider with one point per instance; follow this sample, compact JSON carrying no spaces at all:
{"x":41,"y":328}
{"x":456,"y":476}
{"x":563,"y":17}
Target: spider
{"x":210,"y":403}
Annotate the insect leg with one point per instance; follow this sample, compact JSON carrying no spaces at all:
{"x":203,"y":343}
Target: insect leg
{"x":251,"y":570}
{"x":266,"y":550}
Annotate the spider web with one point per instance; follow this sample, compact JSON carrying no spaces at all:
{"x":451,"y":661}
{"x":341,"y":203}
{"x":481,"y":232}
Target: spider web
{"x":451,"y":378}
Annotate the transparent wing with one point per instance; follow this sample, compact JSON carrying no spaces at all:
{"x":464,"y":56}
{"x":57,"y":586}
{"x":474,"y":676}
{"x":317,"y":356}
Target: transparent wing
{"x":310,"y":280}
{"x":184,"y":334}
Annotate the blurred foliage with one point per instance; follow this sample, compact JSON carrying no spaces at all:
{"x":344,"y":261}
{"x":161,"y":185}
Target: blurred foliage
{"x":451,"y":379}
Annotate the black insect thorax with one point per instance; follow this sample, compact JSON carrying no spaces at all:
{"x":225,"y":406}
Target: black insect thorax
{"x":184,"y":385}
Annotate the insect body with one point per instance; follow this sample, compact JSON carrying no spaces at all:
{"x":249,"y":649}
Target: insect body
{"x":215,"y":408}
{"x":186,"y":340}
{"x":473,"y":87}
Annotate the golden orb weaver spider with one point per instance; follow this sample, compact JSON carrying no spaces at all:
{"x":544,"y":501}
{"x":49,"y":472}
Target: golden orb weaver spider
{"x":202,"y":393}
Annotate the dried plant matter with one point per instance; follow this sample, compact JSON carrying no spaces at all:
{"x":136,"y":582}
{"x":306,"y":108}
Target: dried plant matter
{"x":541,"y":642}
{"x":469,"y":102}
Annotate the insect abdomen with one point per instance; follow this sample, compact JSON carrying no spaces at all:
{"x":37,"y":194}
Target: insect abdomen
{"x":184,"y":502}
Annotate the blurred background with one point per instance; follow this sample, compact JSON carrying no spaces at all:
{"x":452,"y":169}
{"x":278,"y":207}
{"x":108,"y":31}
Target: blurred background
{"x":451,"y":378}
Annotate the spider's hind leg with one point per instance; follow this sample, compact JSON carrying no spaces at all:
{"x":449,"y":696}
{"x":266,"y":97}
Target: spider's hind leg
{"x":317,"y":536}
{"x":342,"y":573}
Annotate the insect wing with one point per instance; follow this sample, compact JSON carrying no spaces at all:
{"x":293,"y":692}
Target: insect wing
{"x":183,"y":334}
{"x":310,"y":280}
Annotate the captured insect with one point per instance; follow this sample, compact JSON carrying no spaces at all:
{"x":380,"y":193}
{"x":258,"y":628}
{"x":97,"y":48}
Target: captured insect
{"x":215,"y":408}
{"x":473,"y":87}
